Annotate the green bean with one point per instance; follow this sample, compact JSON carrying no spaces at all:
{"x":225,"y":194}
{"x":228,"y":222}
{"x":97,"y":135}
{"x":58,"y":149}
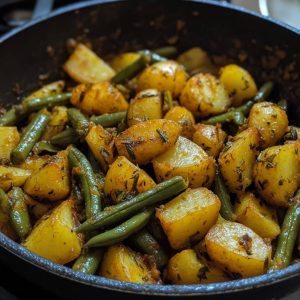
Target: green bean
{"x":19,"y":215}
{"x":130,"y":71}
{"x":4,"y":202}
{"x":152,"y":56}
{"x":79,"y":122}
{"x":168,"y":51}
{"x":109,"y":120}
{"x":145,"y":242}
{"x":293,"y":134}
{"x":9,"y":118}
{"x":88,"y":262}
{"x":288,"y":236}
{"x":121,"y":232}
{"x":122,"y":125}
{"x":168,"y":99}
{"x":119,"y":212}
{"x":65,"y":138}
{"x":221,"y":191}
{"x":91,"y":194}
{"x":283,"y":104}
{"x":44,"y":146}
{"x":32,"y":134}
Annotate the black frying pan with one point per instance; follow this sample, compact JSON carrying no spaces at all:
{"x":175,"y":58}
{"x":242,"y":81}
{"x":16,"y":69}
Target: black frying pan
{"x":269,"y":49}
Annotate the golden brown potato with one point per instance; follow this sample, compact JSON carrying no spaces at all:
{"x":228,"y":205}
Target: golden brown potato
{"x":100,"y":98}
{"x":210,"y":138}
{"x":36,"y":209}
{"x":121,"y":61}
{"x":186,"y":267}
{"x":256,"y":215}
{"x":122,"y":263}
{"x":163,"y":76}
{"x":147,"y":105}
{"x":270,"y":120}
{"x":184,"y":117}
{"x":34,"y":162}
{"x":144,"y":141}
{"x":9,"y":140}
{"x":237,"y":160}
{"x":277,"y":172}
{"x":188,"y":160}
{"x":85,"y":66}
{"x":238,"y":83}
{"x":189,"y":216}
{"x":102,"y":145}
{"x":238,"y":249}
{"x":54,"y":238}
{"x":124,"y":178}
{"x":204,"y":95}
{"x":52,"y":181}
{"x":50,"y":89}
{"x":10,"y":176}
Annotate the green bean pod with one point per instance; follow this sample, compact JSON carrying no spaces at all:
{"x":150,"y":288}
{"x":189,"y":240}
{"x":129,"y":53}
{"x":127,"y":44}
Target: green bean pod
{"x":31,"y":136}
{"x":88,"y":262}
{"x":44,"y":146}
{"x":109,"y":120}
{"x":9,"y":118}
{"x":65,"y":138}
{"x":167,"y":51}
{"x":4,"y":202}
{"x":283,"y":104}
{"x":121,"y":211}
{"x":79,"y":122}
{"x":121,"y":232}
{"x":152,"y":56}
{"x":168,"y":99}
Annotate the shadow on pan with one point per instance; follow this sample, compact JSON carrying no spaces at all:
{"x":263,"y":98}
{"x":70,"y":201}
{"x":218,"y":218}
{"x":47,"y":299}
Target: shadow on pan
{"x":29,"y":55}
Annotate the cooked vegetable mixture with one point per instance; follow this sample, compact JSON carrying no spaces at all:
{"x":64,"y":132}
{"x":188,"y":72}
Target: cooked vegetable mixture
{"x":153,"y":167}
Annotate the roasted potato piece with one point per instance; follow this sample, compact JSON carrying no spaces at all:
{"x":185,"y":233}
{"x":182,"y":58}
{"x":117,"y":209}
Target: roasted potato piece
{"x":36,"y":209}
{"x":52,"y":181}
{"x":204,"y":95}
{"x":270,"y":120}
{"x":210,"y":138}
{"x":189,"y":216}
{"x":147,"y":105}
{"x":102,"y":145}
{"x":50,"y":89}
{"x":238,"y":248}
{"x":34,"y":162}
{"x":121,"y":61}
{"x":184,"y":117}
{"x":100,"y":98}
{"x":122,"y":263}
{"x":186,"y":268}
{"x":54,"y":237}
{"x":85,"y":66}
{"x":237,"y":160}
{"x":124,"y":178}
{"x":9,"y":140}
{"x":238,"y":83}
{"x":163,"y":76}
{"x":256,"y":215}
{"x":277,"y":173}
{"x":10,"y":176}
{"x":188,"y":160}
{"x":144,"y":141}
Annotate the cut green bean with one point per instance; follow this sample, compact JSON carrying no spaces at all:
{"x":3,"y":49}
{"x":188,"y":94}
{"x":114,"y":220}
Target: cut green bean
{"x":9,"y":118}
{"x":167,"y":51}
{"x":288,"y":236}
{"x":88,"y":262}
{"x":32,"y":134}
{"x":121,"y":232}
{"x":119,"y":212}
{"x":91,"y":194}
{"x":145,"y":242}
{"x":19,"y":215}
{"x":168,"y":99}
{"x":152,"y":56}
{"x":79,"y":122}
{"x":283,"y":104}
{"x":44,"y":146}
{"x":221,"y":191}
{"x":4,"y":202}
{"x":65,"y":138}
{"x":109,"y":120}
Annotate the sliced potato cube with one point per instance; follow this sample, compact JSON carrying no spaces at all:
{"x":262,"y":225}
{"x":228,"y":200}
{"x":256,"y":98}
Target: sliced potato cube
{"x":10,"y":176}
{"x":34,"y":162}
{"x":10,"y":138}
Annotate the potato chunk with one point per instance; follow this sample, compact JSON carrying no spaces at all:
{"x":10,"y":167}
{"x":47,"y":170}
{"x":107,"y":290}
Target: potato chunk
{"x":52,"y":181}
{"x":188,"y":160}
{"x":204,"y":95}
{"x":122,"y":263}
{"x":189,"y":216}
{"x":144,"y":141}
{"x":186,"y":268}
{"x":10,"y":176}
{"x":238,"y":158}
{"x":86,"y":67}
{"x":277,"y":173}
{"x":34,"y":162}
{"x":124,"y":178}
{"x":54,"y":237}
{"x":271,"y":122}
{"x":238,"y":248}
{"x":9,"y":140}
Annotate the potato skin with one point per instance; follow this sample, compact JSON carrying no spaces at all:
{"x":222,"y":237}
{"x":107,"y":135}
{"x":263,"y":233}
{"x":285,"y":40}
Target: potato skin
{"x":277,"y":173}
{"x":163,"y":76}
{"x":144,"y":141}
{"x":204,"y":95}
{"x":125,"y":177}
{"x":210,"y":138}
{"x":188,"y":160}
{"x":270,"y":120}
{"x":237,"y":160}
{"x":10,"y":138}
{"x":189,"y":216}
{"x":238,"y":249}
